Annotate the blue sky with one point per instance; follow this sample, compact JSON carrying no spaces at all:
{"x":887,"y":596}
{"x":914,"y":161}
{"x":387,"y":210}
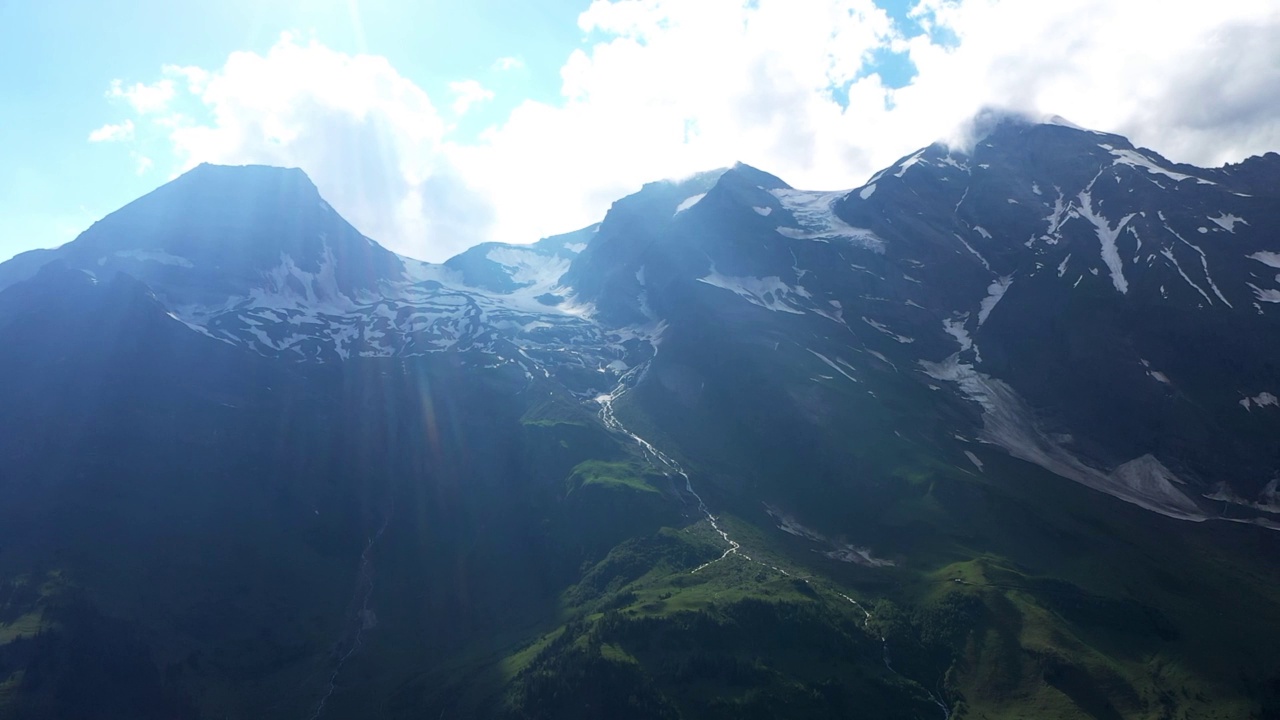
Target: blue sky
{"x":495,"y":120}
{"x":59,"y":58}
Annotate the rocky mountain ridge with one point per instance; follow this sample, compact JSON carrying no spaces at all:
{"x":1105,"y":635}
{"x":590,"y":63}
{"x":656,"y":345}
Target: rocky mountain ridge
{"x":642,"y":458}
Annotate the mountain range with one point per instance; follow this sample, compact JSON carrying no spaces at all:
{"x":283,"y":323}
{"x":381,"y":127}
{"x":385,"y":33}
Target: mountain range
{"x":992,"y":435}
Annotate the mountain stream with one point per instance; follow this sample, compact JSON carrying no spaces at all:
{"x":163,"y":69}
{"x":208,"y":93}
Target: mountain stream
{"x":660,"y":461}
{"x":363,"y":617}
{"x":668,"y":466}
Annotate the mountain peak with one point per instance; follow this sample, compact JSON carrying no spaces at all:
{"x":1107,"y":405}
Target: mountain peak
{"x":210,"y":207}
{"x":1002,"y":124}
{"x":239,"y":189}
{"x":1059,"y":120}
{"x":240,"y":173}
{"x":229,"y":216}
{"x":246,"y":180}
{"x":742,"y":172}
{"x":217,"y":231}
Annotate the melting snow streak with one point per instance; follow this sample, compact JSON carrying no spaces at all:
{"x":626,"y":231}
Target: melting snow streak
{"x":1107,"y":237}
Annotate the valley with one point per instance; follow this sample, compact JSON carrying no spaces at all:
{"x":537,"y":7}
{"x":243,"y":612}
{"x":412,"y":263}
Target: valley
{"x":988,"y":437}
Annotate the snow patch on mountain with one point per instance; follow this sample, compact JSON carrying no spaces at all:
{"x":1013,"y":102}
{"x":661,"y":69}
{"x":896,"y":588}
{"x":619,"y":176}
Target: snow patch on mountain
{"x":1147,"y":478}
{"x":1168,"y":254}
{"x":1270,"y":259}
{"x":880,"y":356}
{"x":767,"y":292}
{"x":1137,"y":160}
{"x":688,"y":203}
{"x":1057,"y":216}
{"x":906,"y":164}
{"x":416,"y":272}
{"x":1009,"y":423}
{"x":956,"y":329}
{"x":817,"y":220}
{"x":303,"y":316}
{"x":1227,"y":221}
{"x":1063,"y":122}
{"x":974,"y":252}
{"x":949,"y":161}
{"x":1265,"y":294}
{"x":198,"y":328}
{"x":288,"y":286}
{"x":1204,"y":264}
{"x":1107,"y":237}
{"x":157,"y":256}
{"x":835,"y":366}
{"x":884,"y":329}
{"x":528,"y":267}
{"x":1261,"y":400}
{"x":842,"y":551}
{"x":974,"y":459}
{"x":995,"y":291}
{"x":1268,"y":500}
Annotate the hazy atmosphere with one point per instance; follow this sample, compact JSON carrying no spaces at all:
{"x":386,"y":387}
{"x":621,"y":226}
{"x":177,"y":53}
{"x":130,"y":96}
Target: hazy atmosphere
{"x":640,"y":360}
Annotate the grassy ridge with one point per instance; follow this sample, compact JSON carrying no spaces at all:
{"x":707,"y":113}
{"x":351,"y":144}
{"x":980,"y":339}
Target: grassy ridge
{"x":1069,"y":603}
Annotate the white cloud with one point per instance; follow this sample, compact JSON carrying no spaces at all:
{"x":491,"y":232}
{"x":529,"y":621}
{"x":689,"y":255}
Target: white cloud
{"x":467,"y":93}
{"x":142,"y":163}
{"x":144,"y":98}
{"x":667,"y":88}
{"x":112,"y":133}
{"x":371,"y":140}
{"x":1193,"y":81}
{"x":673,"y":89}
{"x":508,"y":63}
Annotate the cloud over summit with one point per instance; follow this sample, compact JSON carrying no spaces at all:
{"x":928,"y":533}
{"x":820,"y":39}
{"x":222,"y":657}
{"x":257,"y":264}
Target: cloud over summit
{"x":661,"y":88}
